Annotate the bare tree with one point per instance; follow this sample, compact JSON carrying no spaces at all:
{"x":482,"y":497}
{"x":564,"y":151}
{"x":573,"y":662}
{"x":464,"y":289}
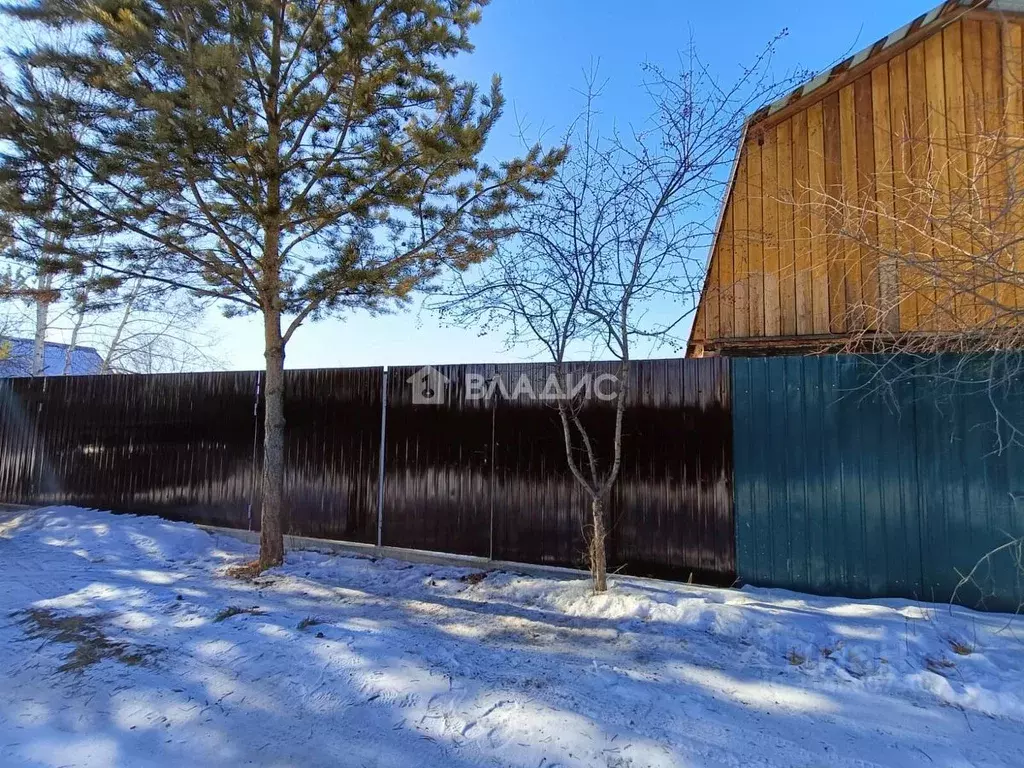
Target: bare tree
{"x":137,"y":327}
{"x":39,"y":214}
{"x":153,"y":330}
{"x":612,"y":256}
{"x":991,"y":575}
{"x":80,"y":306}
{"x":944,"y":238}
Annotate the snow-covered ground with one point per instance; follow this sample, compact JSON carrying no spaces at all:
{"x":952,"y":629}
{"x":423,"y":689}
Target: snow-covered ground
{"x":118,"y":649}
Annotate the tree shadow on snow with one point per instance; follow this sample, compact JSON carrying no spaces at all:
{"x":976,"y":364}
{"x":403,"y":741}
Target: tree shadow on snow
{"x":366,"y":666}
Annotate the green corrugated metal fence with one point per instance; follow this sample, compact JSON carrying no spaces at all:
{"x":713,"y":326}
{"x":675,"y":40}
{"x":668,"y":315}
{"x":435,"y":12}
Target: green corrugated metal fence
{"x":871,"y":476}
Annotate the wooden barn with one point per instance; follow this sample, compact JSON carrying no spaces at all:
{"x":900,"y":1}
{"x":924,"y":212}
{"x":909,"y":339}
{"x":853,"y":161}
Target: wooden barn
{"x":867,"y":162}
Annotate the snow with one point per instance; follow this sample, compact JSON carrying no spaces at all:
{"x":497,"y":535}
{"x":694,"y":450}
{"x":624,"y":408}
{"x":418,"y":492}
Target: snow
{"x":421,"y":665}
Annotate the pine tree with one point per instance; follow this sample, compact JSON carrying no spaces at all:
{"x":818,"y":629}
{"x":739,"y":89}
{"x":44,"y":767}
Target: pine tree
{"x":292,"y":158}
{"x":38,"y":231}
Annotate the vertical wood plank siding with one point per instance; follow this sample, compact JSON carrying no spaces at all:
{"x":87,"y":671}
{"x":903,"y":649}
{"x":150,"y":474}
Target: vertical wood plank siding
{"x":912,"y":120}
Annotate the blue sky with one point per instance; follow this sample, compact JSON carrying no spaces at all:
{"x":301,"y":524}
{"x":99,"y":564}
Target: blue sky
{"x":541,"y":49}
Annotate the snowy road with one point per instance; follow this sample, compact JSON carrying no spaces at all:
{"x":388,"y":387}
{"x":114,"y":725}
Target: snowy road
{"x":122,"y":647}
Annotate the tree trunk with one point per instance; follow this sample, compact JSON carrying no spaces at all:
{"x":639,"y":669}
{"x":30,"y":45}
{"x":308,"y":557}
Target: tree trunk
{"x":129,"y":306}
{"x":44,"y":284}
{"x":271,"y":527}
{"x":69,"y":352}
{"x":598,"y":565}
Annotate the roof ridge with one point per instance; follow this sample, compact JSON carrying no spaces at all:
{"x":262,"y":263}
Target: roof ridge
{"x":81,"y":347}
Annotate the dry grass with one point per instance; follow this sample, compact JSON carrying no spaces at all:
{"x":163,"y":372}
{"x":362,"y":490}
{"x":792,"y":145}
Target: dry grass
{"x":940,"y":665}
{"x":474,"y":578}
{"x":795,"y":659}
{"x":245,"y":572}
{"x":309,"y":621}
{"x":85,"y":634}
{"x":235,"y":610}
{"x":961,"y":649}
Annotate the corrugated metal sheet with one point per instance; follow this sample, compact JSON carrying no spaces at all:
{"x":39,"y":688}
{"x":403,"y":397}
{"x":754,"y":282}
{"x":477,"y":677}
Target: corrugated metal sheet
{"x":541,"y":509}
{"x":188,"y":446}
{"x":332,"y":453}
{"x":484,"y":477}
{"x":489,"y":477}
{"x":437,"y":480}
{"x":16,"y":359}
{"x":851,"y":481}
{"x":837,"y":488}
{"x":177,"y":444}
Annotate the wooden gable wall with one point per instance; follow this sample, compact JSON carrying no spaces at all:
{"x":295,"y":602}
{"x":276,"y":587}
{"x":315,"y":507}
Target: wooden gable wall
{"x":780,"y":267}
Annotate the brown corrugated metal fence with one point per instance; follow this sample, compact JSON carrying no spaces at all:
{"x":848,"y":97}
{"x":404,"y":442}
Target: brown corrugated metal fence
{"x":489,"y":477}
{"x":178,"y":445}
{"x":462,"y":474}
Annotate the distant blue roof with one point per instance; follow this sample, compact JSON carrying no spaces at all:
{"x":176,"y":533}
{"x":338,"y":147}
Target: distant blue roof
{"x":16,"y":359}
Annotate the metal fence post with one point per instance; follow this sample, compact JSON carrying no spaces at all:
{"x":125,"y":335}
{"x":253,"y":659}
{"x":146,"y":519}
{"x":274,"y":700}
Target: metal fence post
{"x":255,"y":446}
{"x":490,"y":543}
{"x":383,"y":451}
